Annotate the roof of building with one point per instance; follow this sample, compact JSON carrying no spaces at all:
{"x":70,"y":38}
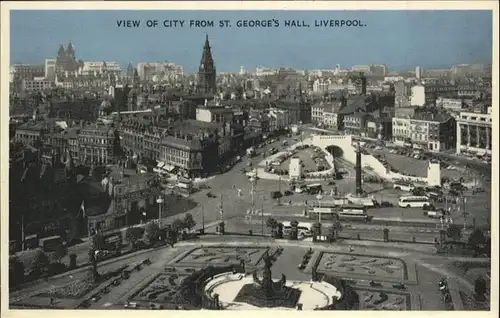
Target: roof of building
{"x":356,"y":103}
{"x":181,"y":143}
{"x":432,"y":116}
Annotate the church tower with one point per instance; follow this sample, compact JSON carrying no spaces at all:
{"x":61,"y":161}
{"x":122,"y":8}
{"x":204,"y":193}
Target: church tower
{"x":134,"y":91}
{"x":207,"y":73}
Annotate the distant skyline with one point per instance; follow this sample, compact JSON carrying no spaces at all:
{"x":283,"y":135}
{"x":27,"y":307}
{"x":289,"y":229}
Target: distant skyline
{"x":401,"y":39}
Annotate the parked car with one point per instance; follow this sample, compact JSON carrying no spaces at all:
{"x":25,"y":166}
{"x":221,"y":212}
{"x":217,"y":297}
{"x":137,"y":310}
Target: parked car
{"x":386,"y":204}
{"x":276,"y":194}
{"x":288,"y":193}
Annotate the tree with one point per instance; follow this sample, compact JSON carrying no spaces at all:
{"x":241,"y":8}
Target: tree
{"x":272,"y":224}
{"x":60,"y":252}
{"x":316,"y":230}
{"x":189,"y":222}
{"x":294,"y":231}
{"x":40,"y":262}
{"x":151,"y":232}
{"x":97,"y":242}
{"x":454,"y":232}
{"x":133,"y":234}
{"x":178,"y":225}
{"x":279,"y":232}
{"x":386,"y":235}
{"x":477,"y":241}
{"x":337,"y":226}
{"x":72,"y":261}
{"x":16,"y":271}
{"x":480,"y":287}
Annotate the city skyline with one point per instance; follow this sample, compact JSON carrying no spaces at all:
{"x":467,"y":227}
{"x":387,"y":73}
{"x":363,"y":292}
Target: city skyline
{"x":459,"y":37}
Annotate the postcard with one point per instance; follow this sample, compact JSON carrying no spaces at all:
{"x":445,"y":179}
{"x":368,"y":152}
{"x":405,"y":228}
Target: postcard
{"x":288,"y":156}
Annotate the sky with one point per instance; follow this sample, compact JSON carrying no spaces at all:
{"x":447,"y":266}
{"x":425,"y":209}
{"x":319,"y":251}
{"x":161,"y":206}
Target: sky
{"x":401,"y":39}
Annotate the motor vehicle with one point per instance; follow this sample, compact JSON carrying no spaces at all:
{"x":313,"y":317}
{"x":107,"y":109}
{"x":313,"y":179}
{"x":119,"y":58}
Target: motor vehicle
{"x":129,"y":305}
{"x":330,"y":183}
{"x":288,"y":193}
{"x":419,"y":191}
{"x":276,"y":195}
{"x":170,"y":186}
{"x":478,"y":190}
{"x":414,"y":202}
{"x":435,"y":214}
{"x":429,"y":207}
{"x":211,"y":195}
{"x":386,"y":204}
{"x":404,"y":186}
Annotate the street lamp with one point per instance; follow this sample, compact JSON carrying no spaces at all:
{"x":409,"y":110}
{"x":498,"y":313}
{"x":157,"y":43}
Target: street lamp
{"x":319,"y":197}
{"x":160,"y":201}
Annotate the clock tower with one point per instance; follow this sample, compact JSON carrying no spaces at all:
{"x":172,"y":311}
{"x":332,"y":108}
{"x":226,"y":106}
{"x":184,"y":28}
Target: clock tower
{"x":206,"y":72}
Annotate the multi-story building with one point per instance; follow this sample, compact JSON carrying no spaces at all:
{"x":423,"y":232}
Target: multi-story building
{"x":450,"y":104}
{"x":191,"y":148}
{"x":214,"y":114}
{"x":379,"y":70}
{"x":355,"y":123}
{"x":152,"y":142}
{"x":160,"y":72}
{"x":317,"y":112}
{"x":35,"y":84}
{"x":265,"y":71}
{"x":95,"y":68}
{"x":402,"y":94}
{"x":400,"y":130}
{"x":433,"y":131}
{"x":419,"y":72}
{"x":362,"y":68}
{"x":418,"y":95}
{"x":474,"y":132}
{"x":132,"y":133}
{"x":27,"y":71}
{"x":50,"y":69}
{"x":121,"y":198}
{"x":380,"y":128}
{"x":279,"y":119}
{"x":97,"y":144}
{"x":32,"y":133}
{"x":330,"y":115}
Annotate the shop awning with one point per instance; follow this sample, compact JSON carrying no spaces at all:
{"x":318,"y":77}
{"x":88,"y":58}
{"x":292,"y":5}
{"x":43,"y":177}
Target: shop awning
{"x":160,"y":164}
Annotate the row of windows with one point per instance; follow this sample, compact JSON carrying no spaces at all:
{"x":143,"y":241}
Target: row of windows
{"x":97,"y":141}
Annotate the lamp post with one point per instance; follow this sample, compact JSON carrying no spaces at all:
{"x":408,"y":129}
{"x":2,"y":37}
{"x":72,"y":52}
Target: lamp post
{"x":319,"y":197}
{"x":253,"y":180}
{"x":464,"y":202}
{"x":160,"y":201}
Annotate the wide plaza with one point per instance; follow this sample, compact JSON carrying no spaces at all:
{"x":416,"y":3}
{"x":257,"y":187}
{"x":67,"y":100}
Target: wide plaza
{"x":160,"y":282}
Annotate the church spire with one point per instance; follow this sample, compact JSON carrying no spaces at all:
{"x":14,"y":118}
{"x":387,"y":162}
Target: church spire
{"x":207,"y":72}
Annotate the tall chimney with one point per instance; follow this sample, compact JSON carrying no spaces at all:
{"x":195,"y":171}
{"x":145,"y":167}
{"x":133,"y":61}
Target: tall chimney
{"x":359,"y":187}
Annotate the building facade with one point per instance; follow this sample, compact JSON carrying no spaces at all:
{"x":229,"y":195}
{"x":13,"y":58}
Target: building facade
{"x":97,"y":144}
{"x":474,"y":133}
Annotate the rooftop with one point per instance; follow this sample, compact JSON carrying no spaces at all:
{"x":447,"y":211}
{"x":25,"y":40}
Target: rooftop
{"x":432,"y":116}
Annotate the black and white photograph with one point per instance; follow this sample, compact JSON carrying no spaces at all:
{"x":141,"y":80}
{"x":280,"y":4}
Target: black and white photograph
{"x":245,"y":157}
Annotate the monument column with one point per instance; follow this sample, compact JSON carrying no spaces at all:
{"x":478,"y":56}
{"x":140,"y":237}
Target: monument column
{"x":359,"y":187}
